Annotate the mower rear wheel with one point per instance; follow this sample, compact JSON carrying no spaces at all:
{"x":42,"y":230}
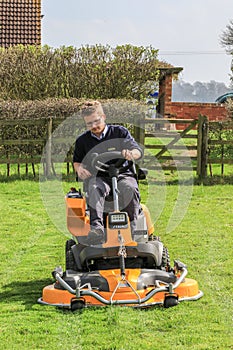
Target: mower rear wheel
{"x":69,"y":244}
{"x":166,"y":259}
{"x":70,"y":261}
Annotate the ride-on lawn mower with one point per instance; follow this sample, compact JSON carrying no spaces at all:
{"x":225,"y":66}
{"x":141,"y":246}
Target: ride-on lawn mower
{"x":128,"y":268}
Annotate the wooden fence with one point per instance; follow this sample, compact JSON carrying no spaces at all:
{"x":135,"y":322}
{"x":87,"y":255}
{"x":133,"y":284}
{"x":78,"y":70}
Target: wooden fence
{"x":220,"y":145}
{"x":167,"y":146}
{"x":30,"y":142}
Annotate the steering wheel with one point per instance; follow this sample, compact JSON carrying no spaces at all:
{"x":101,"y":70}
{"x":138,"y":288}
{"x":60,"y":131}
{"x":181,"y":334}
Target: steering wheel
{"x":99,"y":162}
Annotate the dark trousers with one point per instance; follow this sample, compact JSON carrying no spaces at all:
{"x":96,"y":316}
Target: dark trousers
{"x":129,"y":198}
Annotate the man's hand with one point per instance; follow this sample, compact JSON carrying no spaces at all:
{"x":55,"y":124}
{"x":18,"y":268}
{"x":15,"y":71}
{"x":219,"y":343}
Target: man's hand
{"x":83,"y":173}
{"x":131,"y":154}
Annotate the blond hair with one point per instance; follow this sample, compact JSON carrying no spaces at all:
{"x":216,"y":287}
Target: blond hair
{"x":90,"y":107}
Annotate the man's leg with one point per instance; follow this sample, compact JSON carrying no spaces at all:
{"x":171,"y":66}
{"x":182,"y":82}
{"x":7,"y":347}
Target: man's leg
{"x":129,"y":198}
{"x":98,"y":189}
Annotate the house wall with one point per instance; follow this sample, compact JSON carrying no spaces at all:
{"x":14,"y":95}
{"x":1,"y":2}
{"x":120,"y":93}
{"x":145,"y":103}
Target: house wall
{"x":185,"y":110}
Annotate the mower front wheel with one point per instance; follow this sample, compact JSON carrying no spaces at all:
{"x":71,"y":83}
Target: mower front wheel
{"x":77,"y":304}
{"x":170,"y":300}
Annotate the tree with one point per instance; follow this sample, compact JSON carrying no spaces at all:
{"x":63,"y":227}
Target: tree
{"x":34,"y":73}
{"x":226,"y":38}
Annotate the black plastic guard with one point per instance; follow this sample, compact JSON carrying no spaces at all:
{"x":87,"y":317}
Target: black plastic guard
{"x":149,"y":277}
{"x":96,"y":281}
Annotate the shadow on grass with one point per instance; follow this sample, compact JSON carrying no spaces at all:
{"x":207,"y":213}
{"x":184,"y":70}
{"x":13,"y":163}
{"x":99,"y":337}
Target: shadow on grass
{"x":170,"y":179}
{"x":27,"y":292}
{"x":208,"y":181}
{"x":218,"y":180}
{"x":12,"y":178}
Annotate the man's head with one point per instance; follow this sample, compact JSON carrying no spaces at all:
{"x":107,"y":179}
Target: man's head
{"x":94,"y":117}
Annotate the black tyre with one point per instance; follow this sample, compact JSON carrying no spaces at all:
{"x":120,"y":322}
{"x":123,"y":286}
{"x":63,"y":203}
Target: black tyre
{"x":70,"y":261}
{"x":77,"y":305}
{"x":69,"y":244}
{"x":166,"y":260}
{"x":170,"y":301}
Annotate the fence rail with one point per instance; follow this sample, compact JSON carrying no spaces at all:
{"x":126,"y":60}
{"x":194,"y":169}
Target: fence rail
{"x":165,"y":144}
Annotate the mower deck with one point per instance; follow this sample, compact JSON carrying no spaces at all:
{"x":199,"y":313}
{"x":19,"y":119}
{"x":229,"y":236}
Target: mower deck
{"x":122,"y":292}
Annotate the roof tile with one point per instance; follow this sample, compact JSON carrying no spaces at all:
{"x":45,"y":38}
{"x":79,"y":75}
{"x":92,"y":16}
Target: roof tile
{"x":20,"y":22}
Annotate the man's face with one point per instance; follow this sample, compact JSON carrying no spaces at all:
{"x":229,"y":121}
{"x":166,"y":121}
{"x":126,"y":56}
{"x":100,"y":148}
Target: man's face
{"x":95,"y":123}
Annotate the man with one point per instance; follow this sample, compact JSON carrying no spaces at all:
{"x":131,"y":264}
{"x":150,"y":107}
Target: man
{"x":101,"y":137}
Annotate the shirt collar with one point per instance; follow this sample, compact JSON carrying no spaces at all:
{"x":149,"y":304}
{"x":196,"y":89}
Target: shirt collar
{"x":102,"y":135}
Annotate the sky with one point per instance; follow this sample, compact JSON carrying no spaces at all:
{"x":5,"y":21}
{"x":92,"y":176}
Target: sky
{"x":186,"y":32}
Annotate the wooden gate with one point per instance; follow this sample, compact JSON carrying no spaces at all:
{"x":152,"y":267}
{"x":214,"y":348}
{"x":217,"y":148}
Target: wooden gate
{"x":176,"y":143}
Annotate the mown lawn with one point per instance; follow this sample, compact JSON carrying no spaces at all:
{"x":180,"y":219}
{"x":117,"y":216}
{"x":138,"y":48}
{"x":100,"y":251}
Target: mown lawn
{"x":31,"y":246}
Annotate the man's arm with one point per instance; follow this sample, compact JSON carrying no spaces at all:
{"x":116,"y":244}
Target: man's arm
{"x":133,"y":154}
{"x":81,"y":171}
{"x":131,"y":149}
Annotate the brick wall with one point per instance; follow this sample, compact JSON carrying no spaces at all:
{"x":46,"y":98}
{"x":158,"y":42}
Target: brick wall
{"x":185,"y":110}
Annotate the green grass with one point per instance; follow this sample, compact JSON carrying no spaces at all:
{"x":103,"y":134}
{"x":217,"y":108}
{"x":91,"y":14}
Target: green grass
{"x":31,"y":246}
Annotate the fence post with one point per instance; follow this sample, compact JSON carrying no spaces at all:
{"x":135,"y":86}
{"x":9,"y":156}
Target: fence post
{"x":48,"y":160}
{"x":139,"y":131}
{"x":202,"y":147}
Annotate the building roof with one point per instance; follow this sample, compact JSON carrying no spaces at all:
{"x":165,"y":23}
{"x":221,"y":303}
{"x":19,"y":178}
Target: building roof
{"x":20,"y":22}
{"x":170,"y":70}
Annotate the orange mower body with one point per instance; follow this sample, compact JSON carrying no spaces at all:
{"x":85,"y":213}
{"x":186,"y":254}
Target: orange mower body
{"x":102,"y":276}
{"x":128,"y":266}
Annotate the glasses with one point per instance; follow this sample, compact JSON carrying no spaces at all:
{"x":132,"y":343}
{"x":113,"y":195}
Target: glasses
{"x":94,"y":122}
